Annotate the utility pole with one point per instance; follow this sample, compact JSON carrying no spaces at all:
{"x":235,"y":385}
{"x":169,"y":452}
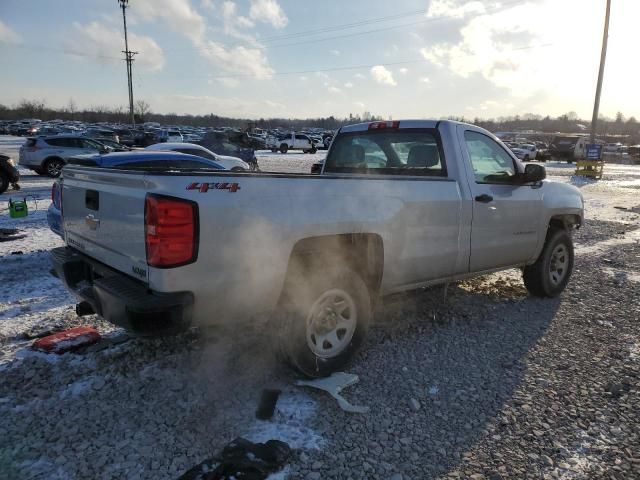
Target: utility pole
{"x":603,"y":55}
{"x":128,"y":58}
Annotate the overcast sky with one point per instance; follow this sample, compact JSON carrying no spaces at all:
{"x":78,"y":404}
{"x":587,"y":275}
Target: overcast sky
{"x":304,"y":58}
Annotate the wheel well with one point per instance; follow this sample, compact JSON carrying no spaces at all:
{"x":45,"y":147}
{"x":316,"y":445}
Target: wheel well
{"x":362,"y":252}
{"x":565,"y":222}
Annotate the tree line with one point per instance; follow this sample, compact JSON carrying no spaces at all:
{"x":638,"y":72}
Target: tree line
{"x":567,"y":123}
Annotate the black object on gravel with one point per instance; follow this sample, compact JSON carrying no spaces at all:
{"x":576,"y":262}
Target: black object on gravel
{"x":242,"y":460}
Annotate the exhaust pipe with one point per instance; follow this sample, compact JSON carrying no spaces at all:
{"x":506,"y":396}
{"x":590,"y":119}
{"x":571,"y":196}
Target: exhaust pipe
{"x":84,"y":308}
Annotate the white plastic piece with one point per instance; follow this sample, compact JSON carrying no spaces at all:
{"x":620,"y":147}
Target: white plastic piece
{"x":333,"y":385}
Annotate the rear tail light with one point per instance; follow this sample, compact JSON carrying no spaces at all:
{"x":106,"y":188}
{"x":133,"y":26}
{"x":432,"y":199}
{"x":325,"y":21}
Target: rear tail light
{"x":171,"y":231}
{"x":382,"y":125}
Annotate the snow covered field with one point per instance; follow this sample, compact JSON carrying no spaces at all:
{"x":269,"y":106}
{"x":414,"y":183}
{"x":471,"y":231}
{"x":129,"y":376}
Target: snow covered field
{"x":154,"y":408}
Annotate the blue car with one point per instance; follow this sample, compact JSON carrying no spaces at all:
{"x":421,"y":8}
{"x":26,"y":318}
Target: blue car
{"x":141,"y":160}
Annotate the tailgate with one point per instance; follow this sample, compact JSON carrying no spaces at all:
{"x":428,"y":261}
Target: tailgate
{"x":103,"y":217}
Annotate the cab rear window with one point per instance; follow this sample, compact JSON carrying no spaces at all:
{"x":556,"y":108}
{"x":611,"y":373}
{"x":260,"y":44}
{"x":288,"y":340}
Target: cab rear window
{"x":409,"y":152}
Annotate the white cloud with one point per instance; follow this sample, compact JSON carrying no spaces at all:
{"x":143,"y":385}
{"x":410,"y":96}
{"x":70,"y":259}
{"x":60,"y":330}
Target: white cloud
{"x":181,"y":17}
{"x":208,"y":5}
{"x":7,"y":35}
{"x":334,"y":90}
{"x":268,"y":11}
{"x":335,"y":52}
{"x":404,"y":71}
{"x":303,"y":78}
{"x":233,"y":23}
{"x":98,"y":40}
{"x":359,"y":104}
{"x":455,"y":8}
{"x":348,"y":85}
{"x":359,"y":75}
{"x":425,"y":80}
{"x":178,"y":15}
{"x":226,"y":81}
{"x":238,"y":59}
{"x":383,"y":76}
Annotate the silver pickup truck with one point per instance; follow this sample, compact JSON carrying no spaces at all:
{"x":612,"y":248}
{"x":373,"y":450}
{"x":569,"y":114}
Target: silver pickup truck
{"x":398,"y":205}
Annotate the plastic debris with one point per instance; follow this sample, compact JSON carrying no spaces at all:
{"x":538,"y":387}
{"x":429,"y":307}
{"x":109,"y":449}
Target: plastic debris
{"x":267,"y":405}
{"x":67,"y":340}
{"x":333,"y":385}
{"x":242,"y":460}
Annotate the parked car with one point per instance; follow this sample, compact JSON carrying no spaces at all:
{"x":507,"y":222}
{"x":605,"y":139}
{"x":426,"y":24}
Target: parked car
{"x":291,"y":141}
{"x":111,"y":145}
{"x":228,"y":163}
{"x":102,"y":133}
{"x":525,"y":151}
{"x":9,"y":175}
{"x":147,"y":160}
{"x":568,"y":147}
{"x":220,"y":144}
{"x":404,"y":204}
{"x":47,"y":155}
{"x":125,"y":137}
{"x":170,"y":136}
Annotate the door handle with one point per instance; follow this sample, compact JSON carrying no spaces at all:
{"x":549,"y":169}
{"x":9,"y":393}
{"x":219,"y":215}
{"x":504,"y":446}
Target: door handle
{"x":484,"y":198}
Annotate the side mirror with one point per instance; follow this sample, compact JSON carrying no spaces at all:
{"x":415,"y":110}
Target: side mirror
{"x":533,"y":173}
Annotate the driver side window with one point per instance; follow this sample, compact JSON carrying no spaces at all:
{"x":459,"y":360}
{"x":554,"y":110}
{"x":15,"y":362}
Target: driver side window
{"x":490,"y":162}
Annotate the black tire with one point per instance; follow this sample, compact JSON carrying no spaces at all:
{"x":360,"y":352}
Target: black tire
{"x":284,"y":148}
{"x":306,"y":295}
{"x":526,"y":158}
{"x":313,"y":150}
{"x":4,"y":182}
{"x":543,"y":279}
{"x":53,"y":167}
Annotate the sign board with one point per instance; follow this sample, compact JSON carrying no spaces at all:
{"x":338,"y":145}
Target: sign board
{"x":594,"y":151}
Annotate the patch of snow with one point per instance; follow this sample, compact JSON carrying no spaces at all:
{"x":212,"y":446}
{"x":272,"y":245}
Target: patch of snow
{"x":280,"y":475}
{"x":294,"y":412}
{"x":434,"y":390}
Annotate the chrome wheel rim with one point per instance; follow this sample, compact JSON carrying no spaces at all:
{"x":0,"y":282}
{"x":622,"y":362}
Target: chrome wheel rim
{"x":54,"y":168}
{"x":559,"y":264}
{"x":331,"y":323}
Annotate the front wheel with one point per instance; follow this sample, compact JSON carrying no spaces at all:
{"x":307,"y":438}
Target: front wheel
{"x":325,"y":321}
{"x":284,"y":148}
{"x":550,"y":274}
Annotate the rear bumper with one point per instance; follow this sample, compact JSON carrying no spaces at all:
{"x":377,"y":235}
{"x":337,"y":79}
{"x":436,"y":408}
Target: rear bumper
{"x":120,"y":299}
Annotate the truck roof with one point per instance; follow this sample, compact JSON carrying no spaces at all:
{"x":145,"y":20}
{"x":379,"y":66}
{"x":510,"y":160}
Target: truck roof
{"x":360,"y":127}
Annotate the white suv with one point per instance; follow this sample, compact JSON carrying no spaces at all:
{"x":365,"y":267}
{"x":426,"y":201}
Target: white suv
{"x":47,"y":155}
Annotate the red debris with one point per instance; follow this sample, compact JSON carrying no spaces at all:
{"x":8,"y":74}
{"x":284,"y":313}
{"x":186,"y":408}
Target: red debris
{"x":67,"y":340}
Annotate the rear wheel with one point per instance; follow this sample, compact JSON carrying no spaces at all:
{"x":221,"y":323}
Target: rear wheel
{"x":284,"y":148}
{"x":53,"y":167}
{"x":325,"y":321}
{"x":549,"y":276}
{"x":313,"y":150}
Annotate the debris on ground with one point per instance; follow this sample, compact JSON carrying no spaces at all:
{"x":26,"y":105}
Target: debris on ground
{"x":9,"y":234}
{"x":67,"y":340}
{"x":267,"y":404}
{"x":242,"y":460}
{"x":333,"y":385}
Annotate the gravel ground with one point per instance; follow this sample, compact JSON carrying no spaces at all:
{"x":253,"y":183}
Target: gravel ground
{"x":480,"y":381}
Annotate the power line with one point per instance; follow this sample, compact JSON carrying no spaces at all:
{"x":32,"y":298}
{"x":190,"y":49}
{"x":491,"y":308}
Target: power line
{"x":497,"y":9}
{"x":342,"y":26}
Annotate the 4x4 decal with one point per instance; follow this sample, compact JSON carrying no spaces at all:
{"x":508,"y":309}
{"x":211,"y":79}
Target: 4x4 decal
{"x":205,"y":187}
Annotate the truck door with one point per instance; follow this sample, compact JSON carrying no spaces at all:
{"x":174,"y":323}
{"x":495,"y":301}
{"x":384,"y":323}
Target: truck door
{"x":507,"y":215}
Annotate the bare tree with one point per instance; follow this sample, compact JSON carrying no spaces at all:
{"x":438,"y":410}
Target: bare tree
{"x":72,"y":108}
{"x":142,"y":108}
